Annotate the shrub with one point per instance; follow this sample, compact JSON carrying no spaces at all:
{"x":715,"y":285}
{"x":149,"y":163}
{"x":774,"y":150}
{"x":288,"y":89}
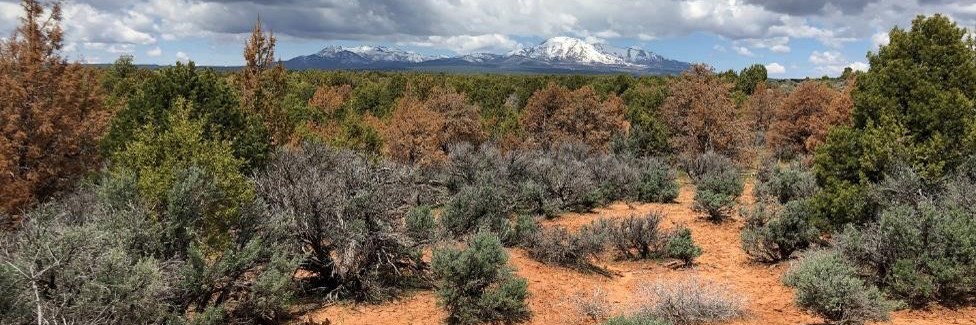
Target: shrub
{"x":637,"y":319}
{"x":521,"y":231}
{"x":475,"y":208}
{"x":658,"y":182}
{"x":593,"y":305}
{"x":637,"y":237}
{"x":802,"y":120}
{"x":556,"y":115}
{"x":420,"y":224}
{"x":919,"y":253}
{"x":773,"y":233}
{"x":691,"y":301}
{"x":315,"y":188}
{"x":682,"y":247}
{"x":826,"y":285}
{"x":475,"y":285}
{"x":556,"y":245}
{"x":783,"y":184}
{"x":718,"y":185}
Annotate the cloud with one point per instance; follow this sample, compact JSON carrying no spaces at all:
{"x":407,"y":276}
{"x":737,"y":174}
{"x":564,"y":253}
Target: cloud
{"x":879,"y":39}
{"x":155,"y":52}
{"x":182,"y":57}
{"x":859,"y":66}
{"x":743,"y":51}
{"x":775,"y":68}
{"x":833,"y":63}
{"x":466,"y":44}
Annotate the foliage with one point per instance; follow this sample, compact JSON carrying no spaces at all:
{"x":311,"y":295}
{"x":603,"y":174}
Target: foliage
{"x":99,"y":257}
{"x":558,"y":246}
{"x":690,"y":301}
{"x":700,"y":114}
{"x":210,"y":100}
{"x":718,"y":185}
{"x":750,"y":78}
{"x":827,"y":285}
{"x":682,"y":247}
{"x":557,"y":115}
{"x":157,"y":158}
{"x":637,"y":237}
{"x":315,"y":188}
{"x":914,"y":106}
{"x":421,"y":131}
{"x":420,"y":224}
{"x":801,"y":122}
{"x":784,"y":183}
{"x":760,"y":110}
{"x":476,"y":286}
{"x":637,"y":319}
{"x":262,"y":84}
{"x":51,"y":112}
{"x":773,"y":232}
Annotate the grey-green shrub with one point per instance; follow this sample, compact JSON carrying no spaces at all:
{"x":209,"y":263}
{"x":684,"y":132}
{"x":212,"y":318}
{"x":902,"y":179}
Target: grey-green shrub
{"x":421,"y":224}
{"x":658,"y":182}
{"x":718,"y":183}
{"x":558,"y":246}
{"x":476,"y":286}
{"x":475,"y":208}
{"x":825,"y":284}
{"x":782,"y":184}
{"x":520,"y":231}
{"x":636,"y":237}
{"x":636,"y":319}
{"x":681,"y":246}
{"x":773,"y":232}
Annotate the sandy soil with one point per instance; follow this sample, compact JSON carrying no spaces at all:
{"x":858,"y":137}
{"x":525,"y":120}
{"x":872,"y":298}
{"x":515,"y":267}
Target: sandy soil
{"x":551,"y":288}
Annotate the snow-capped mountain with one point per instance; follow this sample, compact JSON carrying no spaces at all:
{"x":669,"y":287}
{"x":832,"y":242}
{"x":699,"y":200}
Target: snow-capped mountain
{"x":570,"y":50}
{"x":555,"y":55}
{"x":373,"y":53}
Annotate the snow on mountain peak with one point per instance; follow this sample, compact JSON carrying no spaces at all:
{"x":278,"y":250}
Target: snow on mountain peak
{"x":568,"y":49}
{"x":375,"y":53}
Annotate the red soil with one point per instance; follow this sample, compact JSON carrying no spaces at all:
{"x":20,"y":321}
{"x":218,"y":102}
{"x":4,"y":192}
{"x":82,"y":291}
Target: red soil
{"x":551,"y":288}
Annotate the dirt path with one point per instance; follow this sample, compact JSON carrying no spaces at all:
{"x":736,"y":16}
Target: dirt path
{"x":723,"y":261}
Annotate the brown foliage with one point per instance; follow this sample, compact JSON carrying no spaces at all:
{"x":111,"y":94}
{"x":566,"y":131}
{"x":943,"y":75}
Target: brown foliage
{"x":329,"y":100}
{"x":760,"y":110}
{"x":556,"y":115}
{"x":802,"y":121}
{"x":262,"y":84}
{"x":420,"y":131}
{"x":51,"y":112}
{"x":701,"y":115}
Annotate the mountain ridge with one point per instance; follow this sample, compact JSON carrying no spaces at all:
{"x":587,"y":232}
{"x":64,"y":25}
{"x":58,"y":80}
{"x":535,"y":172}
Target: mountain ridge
{"x":557,"y":54}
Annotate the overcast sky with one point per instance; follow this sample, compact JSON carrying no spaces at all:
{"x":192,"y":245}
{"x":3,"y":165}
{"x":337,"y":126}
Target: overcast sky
{"x":794,"y":38}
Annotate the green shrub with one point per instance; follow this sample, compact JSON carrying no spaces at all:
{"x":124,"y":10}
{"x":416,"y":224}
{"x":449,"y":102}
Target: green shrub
{"x":827,"y":285}
{"x":476,"y":286}
{"x":774,"y":232}
{"x":682,"y":247}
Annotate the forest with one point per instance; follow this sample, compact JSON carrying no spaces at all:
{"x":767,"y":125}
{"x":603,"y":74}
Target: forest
{"x":186,"y":195}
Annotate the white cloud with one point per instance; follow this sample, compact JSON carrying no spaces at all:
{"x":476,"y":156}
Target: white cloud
{"x":719,"y":48}
{"x":826,"y":58}
{"x":155,"y":52}
{"x":470,"y":44}
{"x":879,"y":39}
{"x":859,"y":66}
{"x":775,"y":68}
{"x":182,"y":57}
{"x":743,"y":51}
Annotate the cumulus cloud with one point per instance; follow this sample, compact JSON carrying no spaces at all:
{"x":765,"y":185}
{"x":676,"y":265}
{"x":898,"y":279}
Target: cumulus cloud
{"x":182,"y":57}
{"x":833,"y":63}
{"x":775,"y":68}
{"x":155,"y":52}
{"x":743,"y":51}
{"x":466,"y":44}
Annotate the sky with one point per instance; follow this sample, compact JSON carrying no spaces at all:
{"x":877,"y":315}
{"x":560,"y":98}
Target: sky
{"x":792,"y":38}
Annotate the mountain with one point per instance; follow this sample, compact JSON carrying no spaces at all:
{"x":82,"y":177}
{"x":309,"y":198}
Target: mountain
{"x":555,"y":55}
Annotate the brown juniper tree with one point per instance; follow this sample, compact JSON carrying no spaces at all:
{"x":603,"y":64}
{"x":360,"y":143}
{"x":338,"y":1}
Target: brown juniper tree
{"x":556,"y":115}
{"x":51,"y":112}
{"x":262,"y":84}
{"x":701,"y":115}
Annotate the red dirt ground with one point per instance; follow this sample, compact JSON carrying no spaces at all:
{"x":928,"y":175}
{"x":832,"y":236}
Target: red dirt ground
{"x":723,"y":261}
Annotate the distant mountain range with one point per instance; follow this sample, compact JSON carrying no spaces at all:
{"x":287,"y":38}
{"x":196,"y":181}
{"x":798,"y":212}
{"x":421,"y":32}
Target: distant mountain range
{"x":555,"y":55}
